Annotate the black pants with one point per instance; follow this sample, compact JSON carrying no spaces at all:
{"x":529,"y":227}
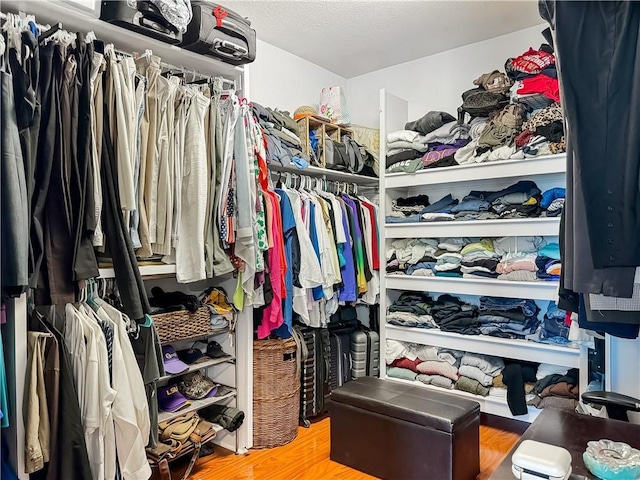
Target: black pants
{"x":132,"y":291}
{"x":84,"y":261}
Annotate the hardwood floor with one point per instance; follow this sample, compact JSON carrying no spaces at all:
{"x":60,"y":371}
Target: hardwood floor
{"x":307,"y":457}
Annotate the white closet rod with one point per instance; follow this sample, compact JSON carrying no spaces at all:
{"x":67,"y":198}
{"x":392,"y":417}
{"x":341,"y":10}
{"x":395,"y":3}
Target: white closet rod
{"x":226,"y":81}
{"x":43,"y":28}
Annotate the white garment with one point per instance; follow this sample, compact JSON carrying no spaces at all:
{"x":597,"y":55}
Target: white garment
{"x":134,"y":376}
{"x":97,"y":67}
{"x":190,"y":263}
{"x":150,"y":181}
{"x":90,"y":405}
{"x":546,"y":369}
{"x":327,"y":265}
{"x":395,"y":350}
{"x":402,"y":135}
{"x":130,"y":443}
{"x":102,"y":438}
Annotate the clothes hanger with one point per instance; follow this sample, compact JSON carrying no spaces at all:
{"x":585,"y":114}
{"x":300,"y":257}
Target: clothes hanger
{"x":50,"y":32}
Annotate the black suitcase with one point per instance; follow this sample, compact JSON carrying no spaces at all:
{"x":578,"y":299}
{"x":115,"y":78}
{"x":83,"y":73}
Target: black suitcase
{"x":340,"y":358}
{"x":314,"y":387}
{"x":221,"y":33}
{"x":145,"y":19}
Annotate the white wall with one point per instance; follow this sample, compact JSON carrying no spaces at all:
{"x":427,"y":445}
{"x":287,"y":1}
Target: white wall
{"x":280,"y":79}
{"x":437,"y":81}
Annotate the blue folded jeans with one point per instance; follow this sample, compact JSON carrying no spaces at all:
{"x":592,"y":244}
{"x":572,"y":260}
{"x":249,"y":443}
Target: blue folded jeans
{"x":410,"y":219}
{"x":444,"y":205}
{"x":528,"y":307}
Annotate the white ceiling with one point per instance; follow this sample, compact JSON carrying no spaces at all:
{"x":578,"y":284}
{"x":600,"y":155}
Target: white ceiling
{"x":353,"y":37}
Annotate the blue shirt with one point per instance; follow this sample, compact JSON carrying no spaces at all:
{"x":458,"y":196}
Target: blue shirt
{"x":288,"y":232}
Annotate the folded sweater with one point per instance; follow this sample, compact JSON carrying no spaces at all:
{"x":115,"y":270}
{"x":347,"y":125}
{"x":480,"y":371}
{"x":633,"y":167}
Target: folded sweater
{"x":438,"y":368}
{"x":470,"y":385}
{"x":476,"y":374}
{"x":490,"y":365}
{"x":436,"y":380}
{"x":403,"y":373}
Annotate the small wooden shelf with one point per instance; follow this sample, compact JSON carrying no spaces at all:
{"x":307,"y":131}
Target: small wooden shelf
{"x":324,"y":128}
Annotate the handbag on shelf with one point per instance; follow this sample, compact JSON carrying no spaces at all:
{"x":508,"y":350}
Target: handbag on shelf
{"x":333,"y":105}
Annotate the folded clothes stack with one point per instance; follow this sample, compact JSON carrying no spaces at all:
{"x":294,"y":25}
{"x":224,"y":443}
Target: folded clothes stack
{"x":548,"y":266}
{"x":515,"y":114}
{"x":525,"y":259}
{"x":518,"y":382}
{"x":557,"y":390}
{"x":553,"y":201}
{"x":428,"y":142}
{"x":412,"y":309}
{"x":520,"y":200}
{"x":283,"y":145}
{"x":412,"y":256}
{"x":477,"y":373}
{"x":507,"y":317}
{"x":555,"y":326}
{"x":454,"y":315}
{"x":428,"y":364}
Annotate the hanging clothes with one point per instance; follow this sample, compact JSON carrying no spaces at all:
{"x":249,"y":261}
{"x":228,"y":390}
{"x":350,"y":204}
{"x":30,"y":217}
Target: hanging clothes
{"x":328,"y":245}
{"x":14,"y":195}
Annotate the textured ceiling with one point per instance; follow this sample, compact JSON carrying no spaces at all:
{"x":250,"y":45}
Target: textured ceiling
{"x":352,"y":37}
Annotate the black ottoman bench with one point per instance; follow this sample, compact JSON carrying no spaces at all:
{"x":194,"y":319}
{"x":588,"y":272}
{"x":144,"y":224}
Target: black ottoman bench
{"x":395,"y":431}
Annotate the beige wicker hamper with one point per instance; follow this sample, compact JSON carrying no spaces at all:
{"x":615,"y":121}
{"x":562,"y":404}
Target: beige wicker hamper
{"x":276,"y":393}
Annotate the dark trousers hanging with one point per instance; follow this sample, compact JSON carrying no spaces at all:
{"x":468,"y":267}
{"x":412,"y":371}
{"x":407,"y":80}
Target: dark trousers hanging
{"x":132,"y":291}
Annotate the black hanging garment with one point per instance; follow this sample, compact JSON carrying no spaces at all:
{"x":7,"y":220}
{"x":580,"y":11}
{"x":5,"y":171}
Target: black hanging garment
{"x":13,"y":196}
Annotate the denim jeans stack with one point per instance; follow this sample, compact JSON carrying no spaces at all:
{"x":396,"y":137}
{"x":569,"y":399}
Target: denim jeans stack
{"x":507,"y":317}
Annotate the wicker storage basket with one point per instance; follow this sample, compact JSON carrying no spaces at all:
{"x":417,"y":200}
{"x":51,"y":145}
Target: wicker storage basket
{"x":182,"y":325}
{"x":276,"y":393}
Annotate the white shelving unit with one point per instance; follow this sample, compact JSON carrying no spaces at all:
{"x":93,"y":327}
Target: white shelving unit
{"x":546,"y":226}
{"x":160,"y":270}
{"x":547,"y":172}
{"x":472,"y":286}
{"x":196,"y":405}
{"x":526,"y":167}
{"x":238,"y":373}
{"x":486,"y":345}
{"x":491,"y":405}
{"x":199,"y":366}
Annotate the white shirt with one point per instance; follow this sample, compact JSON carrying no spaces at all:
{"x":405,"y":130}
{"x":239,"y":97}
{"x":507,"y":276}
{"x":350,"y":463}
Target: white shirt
{"x":128,"y":438}
{"x":103,"y":437}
